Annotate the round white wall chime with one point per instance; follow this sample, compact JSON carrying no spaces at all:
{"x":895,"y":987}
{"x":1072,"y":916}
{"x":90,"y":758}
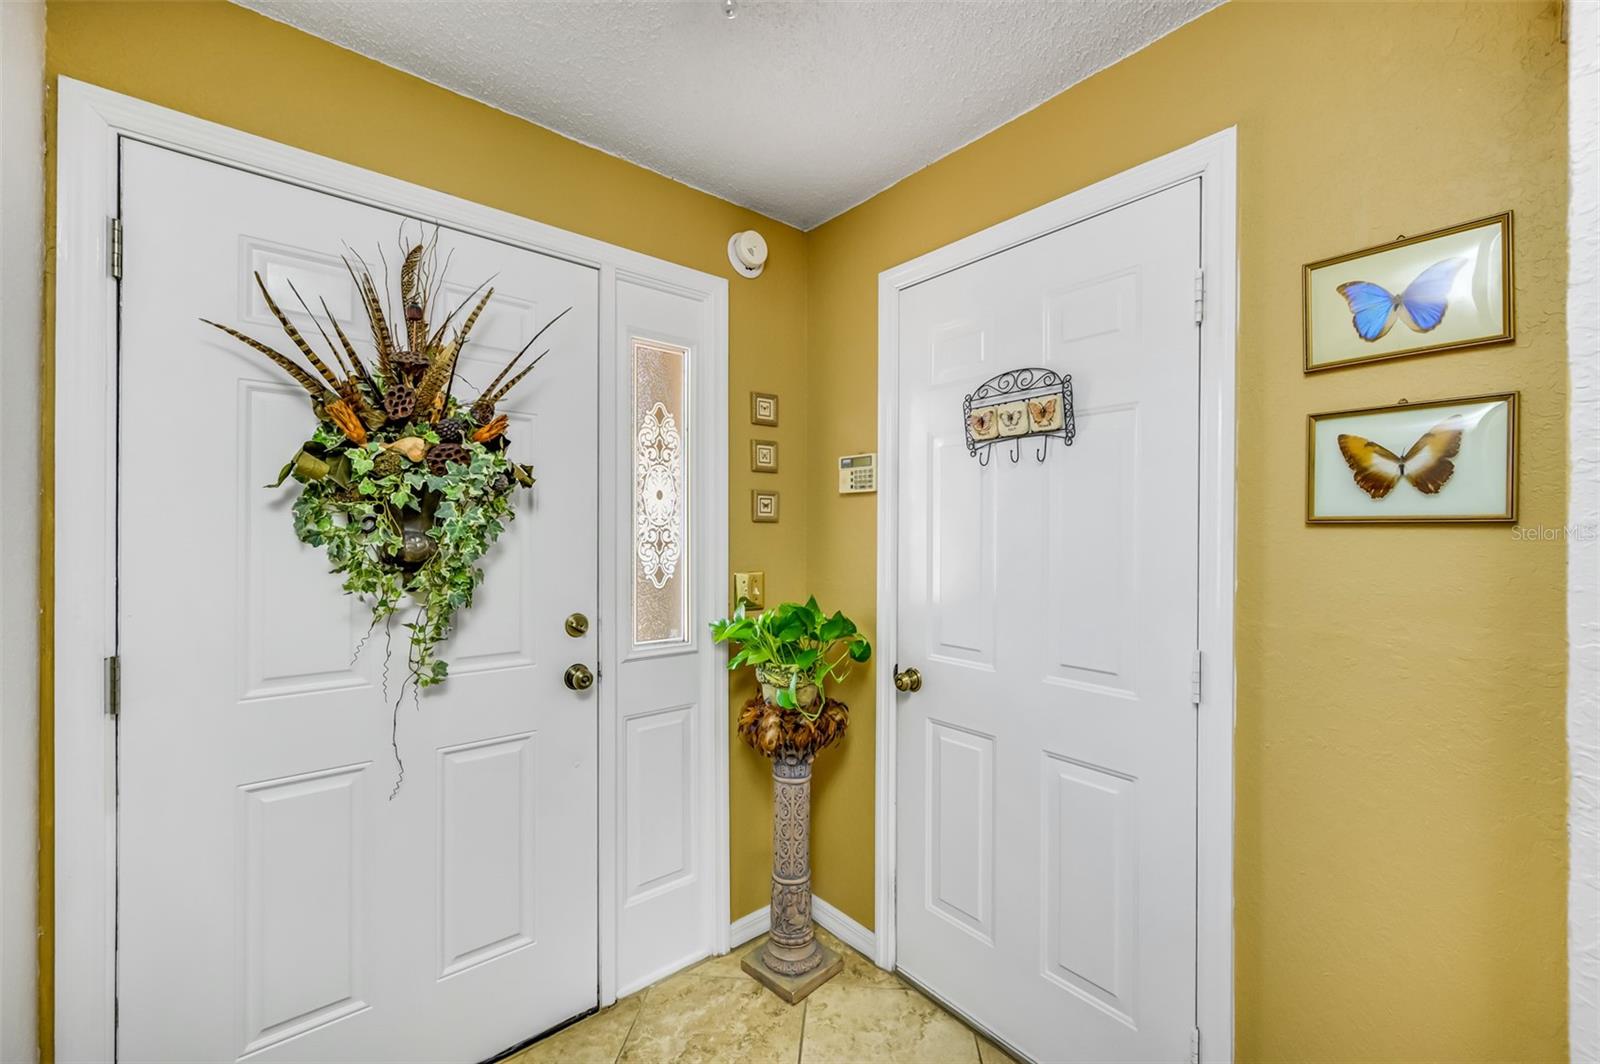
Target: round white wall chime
{"x":748,"y":253}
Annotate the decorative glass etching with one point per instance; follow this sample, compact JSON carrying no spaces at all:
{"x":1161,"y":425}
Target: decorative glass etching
{"x":660,"y":478}
{"x":660,"y":449}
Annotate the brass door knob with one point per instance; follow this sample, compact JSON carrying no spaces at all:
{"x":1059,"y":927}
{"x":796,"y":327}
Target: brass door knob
{"x":576,"y":625}
{"x":908,"y":680}
{"x":578,"y":678}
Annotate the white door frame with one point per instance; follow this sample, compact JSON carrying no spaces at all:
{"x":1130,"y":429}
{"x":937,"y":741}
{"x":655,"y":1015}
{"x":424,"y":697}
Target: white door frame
{"x":1583,"y":549}
{"x":1214,"y":160}
{"x":90,"y":122}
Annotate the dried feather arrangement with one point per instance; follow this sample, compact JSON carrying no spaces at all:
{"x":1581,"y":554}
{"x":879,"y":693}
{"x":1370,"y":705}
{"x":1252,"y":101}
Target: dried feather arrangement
{"x":404,"y":485}
{"x":772,"y":731}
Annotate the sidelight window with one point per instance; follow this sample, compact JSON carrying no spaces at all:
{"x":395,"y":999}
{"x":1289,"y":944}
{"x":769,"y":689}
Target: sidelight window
{"x":660,"y":506}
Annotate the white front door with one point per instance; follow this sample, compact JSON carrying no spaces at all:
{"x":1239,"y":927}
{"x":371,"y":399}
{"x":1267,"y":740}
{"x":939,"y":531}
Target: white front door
{"x":275,"y":900}
{"x":1046,"y":769}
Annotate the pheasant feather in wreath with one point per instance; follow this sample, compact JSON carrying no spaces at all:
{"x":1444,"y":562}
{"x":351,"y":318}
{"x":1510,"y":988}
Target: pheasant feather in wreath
{"x":404,"y":484}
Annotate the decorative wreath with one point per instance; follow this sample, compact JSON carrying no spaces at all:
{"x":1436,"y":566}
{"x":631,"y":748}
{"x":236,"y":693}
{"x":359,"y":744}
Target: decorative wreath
{"x":405,"y":486}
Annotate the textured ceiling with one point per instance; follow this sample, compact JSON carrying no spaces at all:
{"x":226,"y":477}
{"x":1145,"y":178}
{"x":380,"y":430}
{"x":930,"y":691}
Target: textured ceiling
{"x":795,"y":108}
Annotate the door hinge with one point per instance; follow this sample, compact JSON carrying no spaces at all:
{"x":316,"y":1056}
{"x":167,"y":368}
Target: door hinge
{"x":113,"y":686}
{"x":1194,"y":1046}
{"x":116,"y":249}
{"x":1194,"y":678}
{"x":1199,"y":296}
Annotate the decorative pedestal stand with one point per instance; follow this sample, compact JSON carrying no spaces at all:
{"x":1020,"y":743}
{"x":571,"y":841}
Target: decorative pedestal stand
{"x":791,"y":963}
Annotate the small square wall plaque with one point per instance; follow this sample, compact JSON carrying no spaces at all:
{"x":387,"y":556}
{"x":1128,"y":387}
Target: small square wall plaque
{"x":763,"y":456}
{"x":764,"y":507}
{"x":763,"y":409}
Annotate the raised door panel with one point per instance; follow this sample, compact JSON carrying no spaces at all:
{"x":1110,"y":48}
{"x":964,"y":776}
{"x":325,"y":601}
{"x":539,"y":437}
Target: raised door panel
{"x":959,"y":351}
{"x":659,"y":787}
{"x":293,"y":275}
{"x":959,"y":870}
{"x":961,"y":558}
{"x":305,"y":856}
{"x":1091,"y":884}
{"x":500,"y":630}
{"x":487,"y":903}
{"x":279,"y":576}
{"x":1093,"y":535}
{"x":1097,"y":317}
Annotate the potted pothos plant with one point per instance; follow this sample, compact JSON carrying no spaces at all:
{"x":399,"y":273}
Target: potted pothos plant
{"x":797,"y":651}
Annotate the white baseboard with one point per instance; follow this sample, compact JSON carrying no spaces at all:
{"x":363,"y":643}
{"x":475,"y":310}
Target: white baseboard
{"x":844,"y":929}
{"x":749,"y":926}
{"x":754,"y":925}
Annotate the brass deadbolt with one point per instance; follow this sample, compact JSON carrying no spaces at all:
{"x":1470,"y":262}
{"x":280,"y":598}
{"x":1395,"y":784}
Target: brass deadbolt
{"x":577,"y":625}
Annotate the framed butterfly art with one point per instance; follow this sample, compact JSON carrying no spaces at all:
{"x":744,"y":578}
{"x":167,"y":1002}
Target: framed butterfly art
{"x":1449,"y":460}
{"x":1441,"y":291}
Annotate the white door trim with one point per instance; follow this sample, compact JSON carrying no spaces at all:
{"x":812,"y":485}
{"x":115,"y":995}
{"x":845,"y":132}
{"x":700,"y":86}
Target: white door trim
{"x":1583,"y":549}
{"x":90,"y":122}
{"x":1214,"y":160}
{"x":21,"y":271}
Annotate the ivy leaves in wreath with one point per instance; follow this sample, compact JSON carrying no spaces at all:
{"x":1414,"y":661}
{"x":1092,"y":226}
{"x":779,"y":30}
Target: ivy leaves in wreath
{"x":404,"y":485}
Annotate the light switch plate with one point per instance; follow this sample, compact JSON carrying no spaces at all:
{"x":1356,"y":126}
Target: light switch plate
{"x":751,"y":588}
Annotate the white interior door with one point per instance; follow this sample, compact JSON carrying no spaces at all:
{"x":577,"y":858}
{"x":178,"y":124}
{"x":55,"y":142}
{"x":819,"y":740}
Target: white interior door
{"x":274,"y":900}
{"x":1046,"y":770}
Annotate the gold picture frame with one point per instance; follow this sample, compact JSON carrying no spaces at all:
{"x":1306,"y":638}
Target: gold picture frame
{"x":1481,"y":289}
{"x":764,"y":507}
{"x":764,"y":409}
{"x":1468,"y":444}
{"x":763,"y":456}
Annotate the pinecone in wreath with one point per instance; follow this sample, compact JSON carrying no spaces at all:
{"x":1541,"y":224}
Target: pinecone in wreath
{"x":454,"y":429}
{"x":440,"y":455}
{"x":399,"y":400}
{"x":483,"y":411}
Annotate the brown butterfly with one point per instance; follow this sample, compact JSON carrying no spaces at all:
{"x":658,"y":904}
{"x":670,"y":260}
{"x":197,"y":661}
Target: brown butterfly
{"x":1042,"y":412}
{"x":1011,"y":420}
{"x":982,"y":424}
{"x":1427,"y":464}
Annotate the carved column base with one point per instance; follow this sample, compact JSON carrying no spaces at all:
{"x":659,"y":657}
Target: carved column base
{"x":792,"y":988}
{"x":792,"y":963}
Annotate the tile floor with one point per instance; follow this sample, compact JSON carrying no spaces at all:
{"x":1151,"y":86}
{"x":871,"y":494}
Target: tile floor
{"x":713,"y":1012}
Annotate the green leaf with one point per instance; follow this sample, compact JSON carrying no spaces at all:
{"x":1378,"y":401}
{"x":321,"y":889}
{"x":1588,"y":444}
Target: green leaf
{"x":837,"y":627}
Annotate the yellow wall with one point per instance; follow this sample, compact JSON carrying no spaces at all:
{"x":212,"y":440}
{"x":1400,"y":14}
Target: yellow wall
{"x":1400,"y":852}
{"x":232,"y":66}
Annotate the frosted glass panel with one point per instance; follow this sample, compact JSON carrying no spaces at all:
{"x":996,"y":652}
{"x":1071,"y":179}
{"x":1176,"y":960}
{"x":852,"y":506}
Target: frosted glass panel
{"x":660,"y":478}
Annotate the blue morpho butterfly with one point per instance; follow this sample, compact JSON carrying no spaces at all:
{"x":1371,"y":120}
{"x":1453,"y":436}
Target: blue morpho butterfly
{"x":1373,"y":309}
